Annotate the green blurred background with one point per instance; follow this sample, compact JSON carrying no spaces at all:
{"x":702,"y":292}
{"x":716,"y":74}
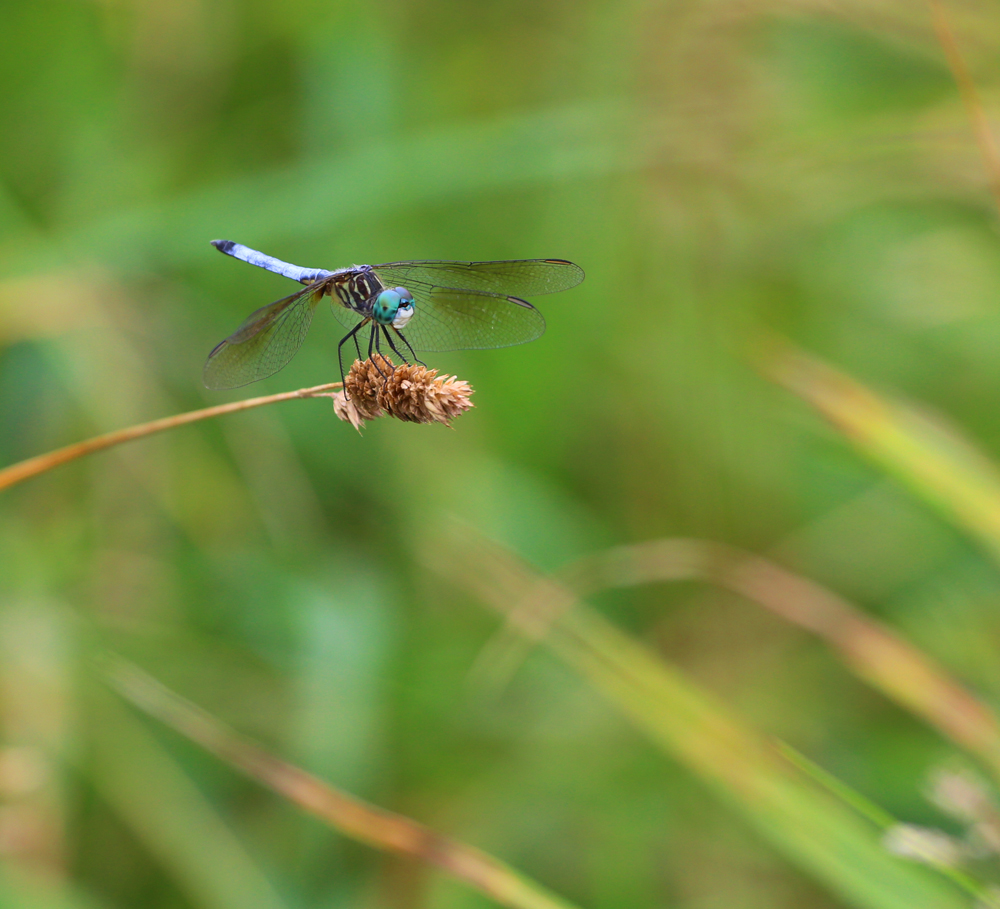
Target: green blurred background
{"x":718,"y":169}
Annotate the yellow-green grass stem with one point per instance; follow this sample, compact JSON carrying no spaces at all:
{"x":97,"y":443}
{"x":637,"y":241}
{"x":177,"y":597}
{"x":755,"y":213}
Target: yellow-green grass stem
{"x":353,"y":817}
{"x":804,"y":821}
{"x":871,"y":650}
{"x":32,"y":467}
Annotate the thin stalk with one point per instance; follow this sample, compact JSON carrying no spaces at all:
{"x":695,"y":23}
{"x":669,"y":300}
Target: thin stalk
{"x":803,"y":820}
{"x":24,"y":470}
{"x":351,"y":816}
{"x":874,"y":652}
{"x":963,"y":79}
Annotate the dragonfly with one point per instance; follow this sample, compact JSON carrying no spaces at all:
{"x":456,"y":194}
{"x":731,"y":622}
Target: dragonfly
{"x":411,"y":306}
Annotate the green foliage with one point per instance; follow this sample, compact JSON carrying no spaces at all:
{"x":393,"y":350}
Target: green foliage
{"x":718,"y":171}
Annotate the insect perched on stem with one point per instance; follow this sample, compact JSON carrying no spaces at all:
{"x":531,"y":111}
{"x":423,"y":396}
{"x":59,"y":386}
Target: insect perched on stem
{"x":410,"y":306}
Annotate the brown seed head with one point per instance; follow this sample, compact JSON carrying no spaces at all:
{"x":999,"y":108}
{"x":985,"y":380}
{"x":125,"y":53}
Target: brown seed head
{"x":344,"y":408}
{"x":414,"y":394}
{"x":363,"y":382}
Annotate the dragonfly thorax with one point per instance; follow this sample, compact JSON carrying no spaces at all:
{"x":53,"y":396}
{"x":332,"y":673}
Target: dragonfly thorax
{"x":355,"y":287}
{"x":393,"y":307}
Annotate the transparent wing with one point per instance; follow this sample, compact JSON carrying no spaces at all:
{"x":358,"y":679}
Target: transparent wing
{"x":344,"y":315}
{"x":264,"y":343}
{"x":527,"y":277}
{"x":469,"y":320}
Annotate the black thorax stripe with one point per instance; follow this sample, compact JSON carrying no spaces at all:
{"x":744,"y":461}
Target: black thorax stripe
{"x":357,"y":289}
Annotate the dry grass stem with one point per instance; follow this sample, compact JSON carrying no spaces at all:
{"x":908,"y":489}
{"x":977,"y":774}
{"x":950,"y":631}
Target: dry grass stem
{"x":920,"y":449}
{"x":413,"y":394}
{"x":963,"y":79}
{"x":872,"y":651}
{"x":351,"y":816}
{"x":811,"y":825}
{"x":24,"y":470}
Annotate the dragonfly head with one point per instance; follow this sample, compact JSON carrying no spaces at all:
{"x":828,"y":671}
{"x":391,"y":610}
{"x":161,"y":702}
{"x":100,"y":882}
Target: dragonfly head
{"x":393,"y":307}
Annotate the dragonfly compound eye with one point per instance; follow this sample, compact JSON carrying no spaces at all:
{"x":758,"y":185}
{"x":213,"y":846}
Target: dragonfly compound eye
{"x":405,"y":311}
{"x":385,"y":306}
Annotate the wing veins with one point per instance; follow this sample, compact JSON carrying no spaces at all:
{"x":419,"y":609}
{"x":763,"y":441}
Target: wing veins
{"x":231,"y":365}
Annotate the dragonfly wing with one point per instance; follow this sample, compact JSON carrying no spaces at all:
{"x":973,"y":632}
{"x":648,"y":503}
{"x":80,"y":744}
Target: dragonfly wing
{"x":446,"y":319}
{"x":345,"y":315}
{"x":527,"y":277}
{"x":264,"y":343}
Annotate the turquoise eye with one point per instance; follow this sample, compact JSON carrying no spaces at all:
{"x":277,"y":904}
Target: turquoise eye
{"x":385,"y":306}
{"x":393,"y":306}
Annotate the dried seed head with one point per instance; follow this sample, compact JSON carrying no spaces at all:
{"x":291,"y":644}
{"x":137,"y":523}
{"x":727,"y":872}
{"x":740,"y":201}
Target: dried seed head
{"x":362,"y":385}
{"x":965,"y":796}
{"x":419,"y":395}
{"x":344,"y":408}
{"x":924,"y":844}
{"x":414,"y":394}
{"x":961,"y":794}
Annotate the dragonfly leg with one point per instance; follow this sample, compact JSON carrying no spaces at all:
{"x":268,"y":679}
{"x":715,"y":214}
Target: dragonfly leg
{"x":395,"y":350}
{"x":376,"y":335}
{"x":402,"y":337}
{"x":373,"y":346}
{"x":353,"y":333}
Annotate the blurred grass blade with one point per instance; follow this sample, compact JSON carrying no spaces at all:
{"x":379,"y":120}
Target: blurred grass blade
{"x":970,"y":97}
{"x":19,"y":891}
{"x":457,"y":161}
{"x":872,"y":651}
{"x":38,"y":641}
{"x":351,"y":816}
{"x":931,"y":458}
{"x":816,"y":831}
{"x":158,"y":801}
